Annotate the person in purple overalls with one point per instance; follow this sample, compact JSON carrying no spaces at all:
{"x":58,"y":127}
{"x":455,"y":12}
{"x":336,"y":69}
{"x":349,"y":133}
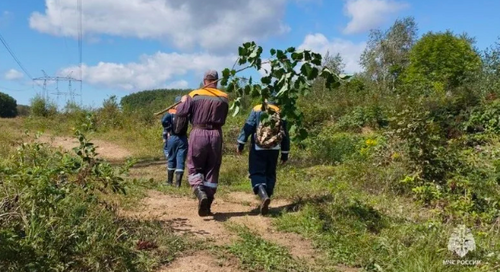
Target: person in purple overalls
{"x":207,"y":109}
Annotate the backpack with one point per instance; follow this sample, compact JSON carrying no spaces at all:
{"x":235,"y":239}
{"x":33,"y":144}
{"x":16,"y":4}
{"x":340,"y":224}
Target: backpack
{"x":179,"y":125}
{"x":268,"y":136}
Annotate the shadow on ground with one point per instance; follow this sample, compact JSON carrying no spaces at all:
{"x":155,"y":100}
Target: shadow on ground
{"x":274,"y":211}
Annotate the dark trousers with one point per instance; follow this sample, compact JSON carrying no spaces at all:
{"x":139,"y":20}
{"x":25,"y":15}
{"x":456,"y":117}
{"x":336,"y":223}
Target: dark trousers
{"x":262,"y":168}
{"x":177,"y":147}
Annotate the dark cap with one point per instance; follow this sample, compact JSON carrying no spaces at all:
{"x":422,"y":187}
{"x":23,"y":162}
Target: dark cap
{"x":211,"y":74}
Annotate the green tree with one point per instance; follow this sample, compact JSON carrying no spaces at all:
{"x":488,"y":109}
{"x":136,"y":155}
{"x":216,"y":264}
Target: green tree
{"x":334,"y":63}
{"x":442,"y":61}
{"x":8,"y":106}
{"x":319,"y":92}
{"x":490,"y":78}
{"x":387,"y":53}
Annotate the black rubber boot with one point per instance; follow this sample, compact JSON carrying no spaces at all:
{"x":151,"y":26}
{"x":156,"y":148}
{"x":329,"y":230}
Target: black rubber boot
{"x":170,"y":177}
{"x":264,"y":206}
{"x":178,"y":179}
{"x":203,"y":202}
{"x":210,"y":200}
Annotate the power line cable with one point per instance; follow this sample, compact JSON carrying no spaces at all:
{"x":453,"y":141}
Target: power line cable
{"x":4,"y":42}
{"x":80,"y":45}
{"x":14,"y":90}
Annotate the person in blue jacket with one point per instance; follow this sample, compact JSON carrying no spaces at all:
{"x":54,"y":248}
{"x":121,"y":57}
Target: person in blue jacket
{"x":263,"y":161}
{"x":176,"y":144}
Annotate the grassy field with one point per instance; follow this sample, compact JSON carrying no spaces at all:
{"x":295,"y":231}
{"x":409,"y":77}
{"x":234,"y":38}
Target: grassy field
{"x":348,"y":208}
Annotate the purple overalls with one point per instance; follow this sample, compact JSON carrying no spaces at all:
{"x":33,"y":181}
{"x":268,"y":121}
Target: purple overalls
{"x":207,"y":110}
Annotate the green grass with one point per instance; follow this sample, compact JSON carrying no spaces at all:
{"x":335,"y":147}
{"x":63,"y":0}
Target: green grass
{"x":256,"y":254}
{"x":375,"y":232}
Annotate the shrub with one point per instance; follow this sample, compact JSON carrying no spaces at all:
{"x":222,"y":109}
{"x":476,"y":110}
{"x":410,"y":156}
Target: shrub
{"x":41,"y":107}
{"x":372,"y":116}
{"x":55,"y":215}
{"x":23,"y":110}
{"x":330,"y":147}
{"x":444,"y":170}
{"x":109,"y":115}
{"x":484,"y":118}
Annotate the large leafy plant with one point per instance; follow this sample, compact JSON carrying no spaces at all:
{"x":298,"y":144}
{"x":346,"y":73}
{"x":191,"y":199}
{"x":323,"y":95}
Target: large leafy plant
{"x":284,"y":81}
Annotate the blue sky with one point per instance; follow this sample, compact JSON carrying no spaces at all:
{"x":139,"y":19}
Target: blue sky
{"x":134,"y":45}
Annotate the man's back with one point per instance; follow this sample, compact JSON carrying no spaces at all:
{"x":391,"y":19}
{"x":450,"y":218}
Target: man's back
{"x":207,"y":109}
{"x":206,"y":106}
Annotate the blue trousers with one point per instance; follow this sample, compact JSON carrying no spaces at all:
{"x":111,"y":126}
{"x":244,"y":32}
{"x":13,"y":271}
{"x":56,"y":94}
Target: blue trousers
{"x":177,"y":147}
{"x":165,"y":149}
{"x":262,"y":168}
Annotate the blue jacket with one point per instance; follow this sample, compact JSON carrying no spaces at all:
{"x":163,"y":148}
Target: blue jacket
{"x":250,"y":128}
{"x":166,"y":122}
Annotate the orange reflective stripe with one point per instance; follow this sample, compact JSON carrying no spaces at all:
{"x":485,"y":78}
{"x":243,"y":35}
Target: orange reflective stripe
{"x":209,"y":92}
{"x":173,"y":111}
{"x":259,"y":107}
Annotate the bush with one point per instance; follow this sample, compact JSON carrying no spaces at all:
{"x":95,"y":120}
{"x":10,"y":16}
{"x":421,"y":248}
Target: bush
{"x":8,"y":106}
{"x":329,"y":147}
{"x":110,"y":115}
{"x":23,"y":110}
{"x":372,"y":116}
{"x":444,"y":169}
{"x":484,"y":118}
{"x":55,"y":215}
{"x":41,"y":107}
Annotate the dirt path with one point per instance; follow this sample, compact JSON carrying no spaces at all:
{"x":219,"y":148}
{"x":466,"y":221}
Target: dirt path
{"x":199,"y":262}
{"x":181,"y":213}
{"x":237,"y":207}
{"x":104,"y":149}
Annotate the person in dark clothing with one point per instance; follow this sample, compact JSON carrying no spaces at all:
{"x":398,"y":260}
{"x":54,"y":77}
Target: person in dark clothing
{"x":263,"y":160}
{"x":176,"y":145}
{"x":207,"y":109}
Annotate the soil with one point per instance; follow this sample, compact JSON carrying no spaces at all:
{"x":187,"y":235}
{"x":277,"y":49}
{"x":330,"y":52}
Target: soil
{"x":104,"y":149}
{"x":237,"y":207}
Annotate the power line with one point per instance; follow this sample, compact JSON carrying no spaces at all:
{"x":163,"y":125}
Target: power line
{"x":80,"y":43}
{"x":4,"y":42}
{"x":14,"y":56}
{"x":48,"y":78}
{"x":14,"y":90}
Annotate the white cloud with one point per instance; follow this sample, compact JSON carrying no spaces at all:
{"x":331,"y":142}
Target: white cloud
{"x":369,"y":14}
{"x":13,"y":74}
{"x":213,"y":25}
{"x":151,"y":71}
{"x":180,"y":84}
{"x":349,"y":51}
